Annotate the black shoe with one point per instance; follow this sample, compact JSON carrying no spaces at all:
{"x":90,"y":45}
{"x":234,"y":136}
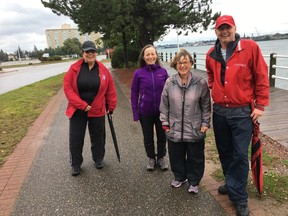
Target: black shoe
{"x":242,"y":210}
{"x":222,"y":189}
{"x":99,"y":165}
{"x":75,"y":171}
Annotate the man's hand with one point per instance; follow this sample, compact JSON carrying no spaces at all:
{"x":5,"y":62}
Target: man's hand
{"x":256,"y":114}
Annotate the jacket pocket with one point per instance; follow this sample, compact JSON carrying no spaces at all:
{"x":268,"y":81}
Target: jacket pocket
{"x":196,"y":131}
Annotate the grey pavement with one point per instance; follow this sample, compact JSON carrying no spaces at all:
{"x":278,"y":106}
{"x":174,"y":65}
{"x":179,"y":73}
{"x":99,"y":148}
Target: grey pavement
{"x":124,"y":188}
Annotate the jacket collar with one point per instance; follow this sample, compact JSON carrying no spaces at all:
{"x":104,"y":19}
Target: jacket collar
{"x":216,"y":53}
{"x":192,"y":79}
{"x":152,"y":67}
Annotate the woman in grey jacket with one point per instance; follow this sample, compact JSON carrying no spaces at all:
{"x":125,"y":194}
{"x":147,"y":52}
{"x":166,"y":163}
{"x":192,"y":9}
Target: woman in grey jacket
{"x":185,"y":115}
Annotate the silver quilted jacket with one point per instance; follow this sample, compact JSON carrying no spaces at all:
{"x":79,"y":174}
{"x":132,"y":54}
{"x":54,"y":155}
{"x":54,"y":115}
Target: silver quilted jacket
{"x":185,"y":109}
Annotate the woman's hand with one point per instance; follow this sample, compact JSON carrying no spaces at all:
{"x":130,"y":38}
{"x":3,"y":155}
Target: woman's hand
{"x":88,"y":108}
{"x":204,"y":129}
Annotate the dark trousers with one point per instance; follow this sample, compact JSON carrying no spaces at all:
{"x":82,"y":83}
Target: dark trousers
{"x":233,"y":136}
{"x":147,"y":124}
{"x":187,"y":160}
{"x":77,"y":129}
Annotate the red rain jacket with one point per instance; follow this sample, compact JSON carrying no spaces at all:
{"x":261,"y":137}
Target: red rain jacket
{"x":106,"y":95}
{"x":246,"y":77}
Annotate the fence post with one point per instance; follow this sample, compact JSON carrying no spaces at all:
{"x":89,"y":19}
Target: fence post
{"x":194,"y":57}
{"x":272,"y":71}
{"x":161,"y":56}
{"x":171,"y":56}
{"x":166,"y":57}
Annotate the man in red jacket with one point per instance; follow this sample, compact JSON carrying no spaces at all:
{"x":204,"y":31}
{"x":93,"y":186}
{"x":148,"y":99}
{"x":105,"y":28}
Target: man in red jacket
{"x":237,"y":75}
{"x":91,"y":93}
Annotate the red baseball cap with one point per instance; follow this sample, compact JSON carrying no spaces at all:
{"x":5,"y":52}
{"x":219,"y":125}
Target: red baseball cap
{"x":225,"y":19}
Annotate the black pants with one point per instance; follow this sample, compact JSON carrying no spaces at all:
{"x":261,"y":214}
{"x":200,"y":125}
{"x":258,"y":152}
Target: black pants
{"x":187,"y":160}
{"x":147,"y":124}
{"x":77,"y":129}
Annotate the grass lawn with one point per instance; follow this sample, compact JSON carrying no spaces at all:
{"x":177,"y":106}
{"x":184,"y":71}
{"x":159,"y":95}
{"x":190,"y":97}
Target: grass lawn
{"x":20,"y":108}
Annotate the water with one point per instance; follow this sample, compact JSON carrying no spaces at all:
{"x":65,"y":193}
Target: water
{"x":279,"y":47}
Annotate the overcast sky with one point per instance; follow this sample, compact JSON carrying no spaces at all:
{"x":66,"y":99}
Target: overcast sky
{"x":23,"y":22}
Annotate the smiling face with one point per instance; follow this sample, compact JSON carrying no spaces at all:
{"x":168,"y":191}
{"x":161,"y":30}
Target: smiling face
{"x":150,"y":56}
{"x":225,"y":33}
{"x":89,"y":56}
{"x":184,"y":65}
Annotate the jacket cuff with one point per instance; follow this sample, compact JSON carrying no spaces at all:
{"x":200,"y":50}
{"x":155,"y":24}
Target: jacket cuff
{"x":259,"y":107}
{"x":165,"y":127}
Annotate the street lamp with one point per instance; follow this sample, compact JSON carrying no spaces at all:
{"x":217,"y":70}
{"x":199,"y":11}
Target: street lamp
{"x":178,"y":33}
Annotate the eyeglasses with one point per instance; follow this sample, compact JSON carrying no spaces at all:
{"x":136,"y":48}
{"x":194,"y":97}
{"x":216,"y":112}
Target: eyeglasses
{"x":90,"y":51}
{"x":183,"y":63}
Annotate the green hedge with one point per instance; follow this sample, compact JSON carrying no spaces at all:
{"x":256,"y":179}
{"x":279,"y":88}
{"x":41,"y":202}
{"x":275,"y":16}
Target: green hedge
{"x":117,"y":60}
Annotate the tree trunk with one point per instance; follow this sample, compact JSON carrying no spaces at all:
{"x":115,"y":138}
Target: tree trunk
{"x":124,"y":43}
{"x":146,"y":36}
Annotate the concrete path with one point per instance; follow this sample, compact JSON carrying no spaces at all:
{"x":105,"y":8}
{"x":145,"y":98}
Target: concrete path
{"x":36,"y":179}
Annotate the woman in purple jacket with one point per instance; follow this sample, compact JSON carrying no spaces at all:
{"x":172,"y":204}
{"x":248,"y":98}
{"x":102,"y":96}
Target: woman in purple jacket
{"x":146,"y":90}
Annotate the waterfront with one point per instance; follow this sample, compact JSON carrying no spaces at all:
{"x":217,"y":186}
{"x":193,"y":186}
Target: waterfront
{"x":280,"y":47}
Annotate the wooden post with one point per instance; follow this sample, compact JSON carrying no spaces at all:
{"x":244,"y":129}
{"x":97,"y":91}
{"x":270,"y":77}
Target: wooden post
{"x":272,"y":71}
{"x":194,"y":57}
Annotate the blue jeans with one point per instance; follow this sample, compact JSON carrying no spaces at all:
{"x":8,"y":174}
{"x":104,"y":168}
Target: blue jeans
{"x":233,"y":136}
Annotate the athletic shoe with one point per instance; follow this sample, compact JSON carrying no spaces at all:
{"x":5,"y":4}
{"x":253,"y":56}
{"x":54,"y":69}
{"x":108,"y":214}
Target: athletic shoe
{"x":193,"y":189}
{"x":177,"y":184}
{"x":162,"y":164}
{"x":99,"y":165}
{"x":75,"y":171}
{"x":151,"y":164}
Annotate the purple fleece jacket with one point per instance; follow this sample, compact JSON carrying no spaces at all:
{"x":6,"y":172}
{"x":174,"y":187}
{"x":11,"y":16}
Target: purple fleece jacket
{"x":146,"y":90}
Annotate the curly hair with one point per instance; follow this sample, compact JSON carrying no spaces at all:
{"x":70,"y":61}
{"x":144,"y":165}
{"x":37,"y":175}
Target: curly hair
{"x":179,"y":54}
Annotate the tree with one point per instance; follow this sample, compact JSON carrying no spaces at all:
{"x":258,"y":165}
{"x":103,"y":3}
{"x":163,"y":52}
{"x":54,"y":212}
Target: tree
{"x":72,"y":46}
{"x":19,"y":53}
{"x":136,"y":22}
{"x":3,"y":56}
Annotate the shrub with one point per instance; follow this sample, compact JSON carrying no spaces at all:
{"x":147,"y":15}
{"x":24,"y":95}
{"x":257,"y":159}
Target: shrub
{"x":51,"y":58}
{"x":117,"y":60}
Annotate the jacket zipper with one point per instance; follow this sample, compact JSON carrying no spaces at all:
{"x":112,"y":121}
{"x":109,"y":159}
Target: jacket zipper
{"x":153,"y":82}
{"x":183,"y":103}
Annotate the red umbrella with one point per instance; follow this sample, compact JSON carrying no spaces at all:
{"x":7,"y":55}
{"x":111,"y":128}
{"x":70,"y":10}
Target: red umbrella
{"x":256,"y":156}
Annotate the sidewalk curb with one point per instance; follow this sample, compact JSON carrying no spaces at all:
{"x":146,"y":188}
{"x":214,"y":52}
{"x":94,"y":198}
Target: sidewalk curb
{"x":16,"y":168}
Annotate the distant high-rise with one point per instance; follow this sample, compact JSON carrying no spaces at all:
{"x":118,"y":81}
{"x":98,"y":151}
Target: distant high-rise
{"x":56,"y":37}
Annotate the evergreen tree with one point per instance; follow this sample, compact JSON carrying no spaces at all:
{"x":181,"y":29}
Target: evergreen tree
{"x":135,"y":22}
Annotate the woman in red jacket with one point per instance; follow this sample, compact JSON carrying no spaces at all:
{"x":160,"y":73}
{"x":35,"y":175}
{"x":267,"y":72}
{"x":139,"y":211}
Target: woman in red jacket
{"x":91,"y":93}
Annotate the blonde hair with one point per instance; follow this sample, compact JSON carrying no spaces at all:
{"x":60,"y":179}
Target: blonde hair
{"x":184,"y":53}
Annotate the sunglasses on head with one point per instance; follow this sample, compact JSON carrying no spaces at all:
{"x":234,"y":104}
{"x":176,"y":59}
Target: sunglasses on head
{"x":90,"y":51}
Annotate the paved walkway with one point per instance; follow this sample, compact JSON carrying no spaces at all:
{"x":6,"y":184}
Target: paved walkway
{"x":36,"y":179}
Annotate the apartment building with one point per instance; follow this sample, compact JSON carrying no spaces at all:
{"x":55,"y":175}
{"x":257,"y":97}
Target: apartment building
{"x":56,"y":37}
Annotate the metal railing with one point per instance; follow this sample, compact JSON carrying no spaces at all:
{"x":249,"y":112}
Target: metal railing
{"x":200,"y":61}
